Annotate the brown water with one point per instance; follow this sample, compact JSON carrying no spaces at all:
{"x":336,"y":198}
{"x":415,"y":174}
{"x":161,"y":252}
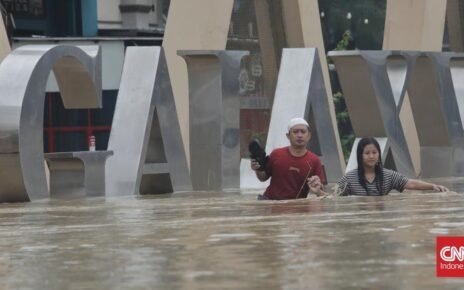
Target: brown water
{"x":202,"y":241}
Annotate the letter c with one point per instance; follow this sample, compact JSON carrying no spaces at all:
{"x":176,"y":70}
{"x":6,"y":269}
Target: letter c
{"x":443,"y":255}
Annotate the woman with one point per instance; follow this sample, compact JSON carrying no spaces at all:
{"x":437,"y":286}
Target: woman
{"x":370,"y":178}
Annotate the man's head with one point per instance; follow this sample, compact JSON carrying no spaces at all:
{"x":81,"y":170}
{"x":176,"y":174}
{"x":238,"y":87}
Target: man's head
{"x":299,"y":133}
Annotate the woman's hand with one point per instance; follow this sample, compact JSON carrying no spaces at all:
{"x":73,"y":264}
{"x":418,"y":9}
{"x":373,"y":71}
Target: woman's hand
{"x":440,"y":188}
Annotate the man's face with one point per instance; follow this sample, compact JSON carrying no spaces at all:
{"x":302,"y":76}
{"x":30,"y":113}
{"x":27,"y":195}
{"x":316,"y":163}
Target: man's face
{"x":299,"y":136}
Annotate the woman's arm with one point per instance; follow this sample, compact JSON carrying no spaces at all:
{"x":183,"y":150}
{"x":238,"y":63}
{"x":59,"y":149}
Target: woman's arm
{"x":415,"y":184}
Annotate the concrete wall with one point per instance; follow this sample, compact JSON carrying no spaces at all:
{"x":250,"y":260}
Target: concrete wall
{"x":109,"y":15}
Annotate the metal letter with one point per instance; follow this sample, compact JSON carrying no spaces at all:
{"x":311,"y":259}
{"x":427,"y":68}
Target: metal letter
{"x":374,"y":85}
{"x":214,"y":118}
{"x":301,"y":92}
{"x":23,"y":78}
{"x":436,"y":93}
{"x":149,"y":156}
{"x":77,"y":173}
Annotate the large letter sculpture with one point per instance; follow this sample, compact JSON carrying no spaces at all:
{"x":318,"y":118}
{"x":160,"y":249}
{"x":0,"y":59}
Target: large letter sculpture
{"x":374,"y":85}
{"x":23,"y":79}
{"x":149,"y":156}
{"x":371,"y":80}
{"x":437,"y":98}
{"x":214,"y":118}
{"x":301,"y":92}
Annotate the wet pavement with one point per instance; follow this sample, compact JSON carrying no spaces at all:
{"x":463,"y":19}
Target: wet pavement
{"x":217,"y":241}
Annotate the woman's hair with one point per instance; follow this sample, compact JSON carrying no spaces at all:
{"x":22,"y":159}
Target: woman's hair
{"x":378,"y":167}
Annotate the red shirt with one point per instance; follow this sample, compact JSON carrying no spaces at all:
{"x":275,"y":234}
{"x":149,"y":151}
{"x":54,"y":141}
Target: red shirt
{"x":288,"y":173}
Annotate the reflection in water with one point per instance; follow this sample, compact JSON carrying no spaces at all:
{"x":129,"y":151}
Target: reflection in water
{"x":201,"y":241}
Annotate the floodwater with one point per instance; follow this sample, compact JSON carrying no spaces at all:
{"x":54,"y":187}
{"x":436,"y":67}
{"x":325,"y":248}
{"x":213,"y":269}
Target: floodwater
{"x":228,"y":241}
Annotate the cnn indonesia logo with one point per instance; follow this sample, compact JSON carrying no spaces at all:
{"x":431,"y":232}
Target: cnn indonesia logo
{"x":450,"y":256}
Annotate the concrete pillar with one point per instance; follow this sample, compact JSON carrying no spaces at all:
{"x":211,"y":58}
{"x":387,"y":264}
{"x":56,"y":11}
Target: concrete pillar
{"x":4,"y":42}
{"x":199,"y":24}
{"x":269,"y":46}
{"x":89,"y":18}
{"x":414,"y":25}
{"x":204,"y":24}
{"x":455,"y":24}
{"x":135,"y":13}
{"x":302,"y":27}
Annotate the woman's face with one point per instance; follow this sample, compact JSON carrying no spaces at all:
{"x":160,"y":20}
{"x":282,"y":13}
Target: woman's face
{"x":370,"y":156}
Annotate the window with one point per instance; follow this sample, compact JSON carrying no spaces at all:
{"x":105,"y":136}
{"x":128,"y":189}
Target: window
{"x":69,"y":130}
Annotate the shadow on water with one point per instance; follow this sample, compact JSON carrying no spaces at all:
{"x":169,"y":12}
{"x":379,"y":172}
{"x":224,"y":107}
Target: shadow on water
{"x":202,"y":240}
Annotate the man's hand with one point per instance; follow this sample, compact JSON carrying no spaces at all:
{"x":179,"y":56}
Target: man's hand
{"x":261,"y":175}
{"x":254,"y":164}
{"x":315,"y":185}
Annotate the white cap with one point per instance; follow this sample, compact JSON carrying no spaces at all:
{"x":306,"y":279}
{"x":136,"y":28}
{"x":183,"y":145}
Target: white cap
{"x":297,"y":121}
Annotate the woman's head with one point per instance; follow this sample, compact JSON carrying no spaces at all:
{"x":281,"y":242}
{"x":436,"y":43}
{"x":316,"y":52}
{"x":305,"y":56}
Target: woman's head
{"x":368,"y":153}
{"x":369,"y":156}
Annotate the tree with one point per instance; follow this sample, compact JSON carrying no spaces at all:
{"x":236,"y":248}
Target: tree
{"x":348,"y":25}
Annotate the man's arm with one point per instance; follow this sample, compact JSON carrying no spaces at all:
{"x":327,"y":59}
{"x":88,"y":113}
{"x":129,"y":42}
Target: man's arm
{"x":317,"y":170}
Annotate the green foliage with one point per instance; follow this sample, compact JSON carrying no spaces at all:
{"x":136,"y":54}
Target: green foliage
{"x":345,"y":41}
{"x":362,"y":30}
{"x":365,"y":35}
{"x":344,"y":124}
{"x":343,"y":119}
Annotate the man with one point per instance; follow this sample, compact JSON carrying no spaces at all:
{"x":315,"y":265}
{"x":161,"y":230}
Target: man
{"x":294,"y":170}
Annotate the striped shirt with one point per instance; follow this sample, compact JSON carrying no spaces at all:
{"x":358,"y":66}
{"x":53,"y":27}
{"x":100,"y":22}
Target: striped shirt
{"x":349,"y":184}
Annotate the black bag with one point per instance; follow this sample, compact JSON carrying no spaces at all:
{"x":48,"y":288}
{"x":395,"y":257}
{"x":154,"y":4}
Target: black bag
{"x":257,"y":152}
